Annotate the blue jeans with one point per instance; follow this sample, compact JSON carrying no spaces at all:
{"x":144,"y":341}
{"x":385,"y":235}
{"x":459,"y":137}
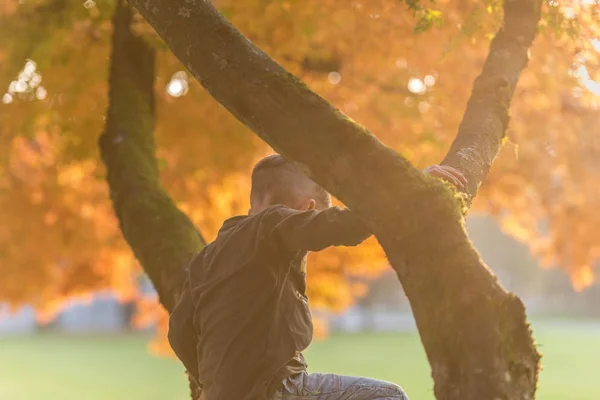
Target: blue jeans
{"x":306,"y":386}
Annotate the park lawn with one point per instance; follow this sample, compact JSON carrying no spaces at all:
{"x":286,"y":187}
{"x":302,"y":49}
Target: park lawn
{"x":119,"y":367}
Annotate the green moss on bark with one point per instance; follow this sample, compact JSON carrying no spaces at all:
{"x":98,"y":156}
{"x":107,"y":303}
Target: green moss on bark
{"x":161,"y":236}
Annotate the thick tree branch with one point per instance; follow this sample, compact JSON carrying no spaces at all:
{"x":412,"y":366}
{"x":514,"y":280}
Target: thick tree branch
{"x":161,"y":236}
{"x":484,"y":123}
{"x":475,"y":334}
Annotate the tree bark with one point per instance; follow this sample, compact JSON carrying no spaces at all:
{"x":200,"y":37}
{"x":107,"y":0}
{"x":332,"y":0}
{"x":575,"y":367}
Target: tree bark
{"x":475,"y":333}
{"x":483,"y":127}
{"x":162,"y":238}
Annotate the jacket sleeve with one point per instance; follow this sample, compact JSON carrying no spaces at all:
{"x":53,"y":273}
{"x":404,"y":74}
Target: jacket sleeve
{"x":182,"y":333}
{"x":316,"y":230}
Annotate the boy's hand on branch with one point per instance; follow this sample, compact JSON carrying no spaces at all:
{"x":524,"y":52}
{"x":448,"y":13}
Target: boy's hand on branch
{"x":447,"y":173}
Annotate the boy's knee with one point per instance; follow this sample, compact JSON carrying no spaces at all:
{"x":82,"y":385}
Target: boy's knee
{"x":371,"y":389}
{"x":396,"y":393}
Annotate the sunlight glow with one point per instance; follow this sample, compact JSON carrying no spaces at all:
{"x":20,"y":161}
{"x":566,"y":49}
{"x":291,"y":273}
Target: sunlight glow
{"x":429,"y":80}
{"x":334,"y":77}
{"x":417,"y":86}
{"x":569,"y":12}
{"x":29,"y":69}
{"x":179,"y":84}
{"x":175,"y":88}
{"x":20,"y":86}
{"x":585,"y":79}
{"x":36,"y":79}
{"x":27,"y":86}
{"x":41,"y":93}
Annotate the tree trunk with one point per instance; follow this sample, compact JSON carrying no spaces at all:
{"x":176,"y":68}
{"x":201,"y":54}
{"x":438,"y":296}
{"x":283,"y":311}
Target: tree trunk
{"x":475,"y":333}
{"x":162,"y":238}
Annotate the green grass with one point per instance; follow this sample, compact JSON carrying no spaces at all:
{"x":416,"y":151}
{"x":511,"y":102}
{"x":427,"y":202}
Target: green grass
{"x":120,"y":368}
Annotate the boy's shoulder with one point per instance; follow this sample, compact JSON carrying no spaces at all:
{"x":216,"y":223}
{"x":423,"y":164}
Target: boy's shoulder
{"x":256,"y":220}
{"x":267,"y":219}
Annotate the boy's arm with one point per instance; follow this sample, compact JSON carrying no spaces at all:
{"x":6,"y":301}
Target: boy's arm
{"x":316,"y":230}
{"x":182,"y":333}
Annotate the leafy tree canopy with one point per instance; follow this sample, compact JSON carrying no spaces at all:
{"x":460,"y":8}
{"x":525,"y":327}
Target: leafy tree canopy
{"x":403,"y":69}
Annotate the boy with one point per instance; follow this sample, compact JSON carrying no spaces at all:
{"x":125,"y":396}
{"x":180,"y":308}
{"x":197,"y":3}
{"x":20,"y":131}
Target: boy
{"x":243,"y":317}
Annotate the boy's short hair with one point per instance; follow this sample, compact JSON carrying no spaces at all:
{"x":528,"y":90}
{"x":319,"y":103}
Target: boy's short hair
{"x":285,"y":183}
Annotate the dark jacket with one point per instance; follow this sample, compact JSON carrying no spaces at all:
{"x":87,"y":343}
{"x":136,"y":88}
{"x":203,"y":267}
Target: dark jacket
{"x":243,"y":317}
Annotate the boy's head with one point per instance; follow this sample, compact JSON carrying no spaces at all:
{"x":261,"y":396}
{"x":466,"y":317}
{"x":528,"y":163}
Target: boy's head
{"x":278,"y":181}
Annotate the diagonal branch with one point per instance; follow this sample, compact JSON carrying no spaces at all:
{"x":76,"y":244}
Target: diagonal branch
{"x":484,"y":123}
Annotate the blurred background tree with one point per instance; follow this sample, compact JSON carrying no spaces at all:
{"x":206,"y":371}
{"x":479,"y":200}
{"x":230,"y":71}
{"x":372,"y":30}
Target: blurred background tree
{"x":405,"y":74}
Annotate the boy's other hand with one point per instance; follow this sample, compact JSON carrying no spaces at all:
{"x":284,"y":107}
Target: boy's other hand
{"x":447,"y":173}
